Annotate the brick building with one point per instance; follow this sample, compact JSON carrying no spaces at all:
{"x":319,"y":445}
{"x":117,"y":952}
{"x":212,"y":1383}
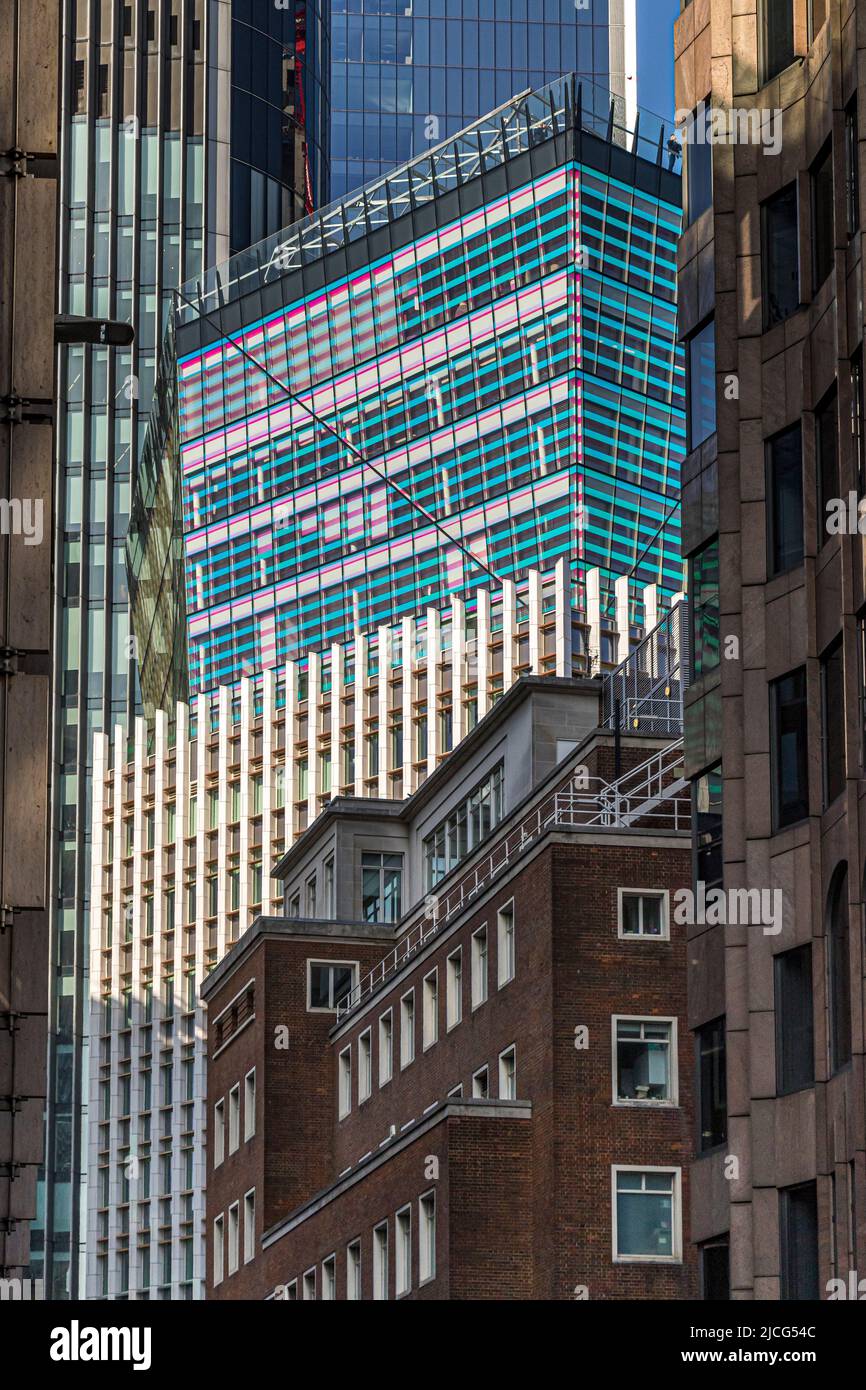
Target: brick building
{"x":469,"y":1076}
{"x":771,"y":309}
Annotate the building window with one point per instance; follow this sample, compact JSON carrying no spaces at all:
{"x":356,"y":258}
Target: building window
{"x":798,"y":1228}
{"x":715,"y":1270}
{"x":788,"y":749}
{"x":329,"y":1279}
{"x":249,"y":1104}
{"x":465,"y":827}
{"x":328,"y":885}
{"x":430,"y":1012}
{"x":701,"y":379}
{"x":219,"y":1133}
{"x":823,"y":248}
{"x":234,"y":1222}
{"x":699,"y":162}
{"x":777,"y":36}
{"x":858,"y":419}
{"x":353,"y":1271}
{"x":386,"y":1048}
{"x":295,"y":906}
{"x":345,"y":1082}
{"x":311,"y":897}
{"x":641,"y":912}
{"x":505,"y":955}
{"x":785,"y":501}
{"x":712,"y":1085}
{"x":427,"y":1237}
{"x":833,"y":722}
{"x":707,"y":820}
{"x":817,"y":18}
{"x":456,"y":1092}
{"x":827,"y":462}
{"x":646,"y":1223}
{"x":480,"y":1084}
{"x":706,"y":653}
{"x":218,"y":1250}
{"x":309,"y":1285}
{"x":454,"y":990}
{"x":508,"y":1074}
{"x":839,"y":970}
{"x":234,"y":1118}
{"x":780,"y":256}
{"x":381,"y":887}
{"x":407,"y":1029}
{"x":795,"y":1045}
{"x":404,"y":1251}
{"x":852,"y":168}
{"x":644,"y":1060}
{"x":479,"y":967}
{"x":365,"y":1066}
{"x":328,"y":983}
{"x":292,"y":1292}
{"x":249,"y":1226}
{"x":380,"y":1262}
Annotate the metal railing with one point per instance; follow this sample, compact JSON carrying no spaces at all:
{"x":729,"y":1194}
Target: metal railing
{"x":645,"y":694}
{"x":652,"y":796}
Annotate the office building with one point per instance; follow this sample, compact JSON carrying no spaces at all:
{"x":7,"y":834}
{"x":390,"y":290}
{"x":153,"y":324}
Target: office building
{"x":472,"y":1079}
{"x":465,"y":371}
{"x":29,"y":62}
{"x":773,"y":331}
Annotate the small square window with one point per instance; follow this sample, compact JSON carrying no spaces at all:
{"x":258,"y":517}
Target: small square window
{"x":643,"y":912}
{"x":329,"y":983}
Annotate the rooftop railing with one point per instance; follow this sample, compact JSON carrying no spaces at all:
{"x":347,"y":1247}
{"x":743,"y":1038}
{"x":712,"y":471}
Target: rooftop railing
{"x":645,"y":694}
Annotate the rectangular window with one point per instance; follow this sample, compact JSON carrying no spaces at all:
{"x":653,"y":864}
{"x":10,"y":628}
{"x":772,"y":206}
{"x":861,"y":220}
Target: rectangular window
{"x":479,"y":967}
{"x":249,"y":1104}
{"x":353,"y":1271}
{"x":777,"y":36}
{"x":234,"y":1118}
{"x":407,"y":1029}
{"x":833,"y":722}
{"x":464,"y":828}
{"x":380,"y":1262}
{"x":329,"y":1279}
{"x":706,"y":653}
{"x":505,"y":943}
{"x":785,"y":501}
{"x":795,"y":1044}
{"x":823,"y":248}
{"x":311,"y":897}
{"x":386,"y":1048}
{"x":430,"y":1012}
{"x":381,"y":887}
{"x":707,"y":821}
{"x":219,"y":1133}
{"x":780,"y":256}
{"x":712,"y":1084}
{"x":328,"y":983}
{"x":480,"y":1084}
{"x":365,"y":1066}
{"x":404,"y":1251}
{"x":644,"y":1061}
{"x":798,"y":1228}
{"x":827,"y":462}
{"x":234,"y":1222}
{"x":218,"y":1250}
{"x":249,"y":1227}
{"x":699,"y":162}
{"x":715,"y":1258}
{"x":646,"y":1224}
{"x":701,"y":379}
{"x":852,"y":168}
{"x":310,"y":1285}
{"x":858,"y":419}
{"x":508,"y":1074}
{"x":788,"y":749}
{"x":328,"y":884}
{"x":427,"y":1237}
{"x":643,"y":913}
{"x":454,"y":990}
{"x":345,"y":1081}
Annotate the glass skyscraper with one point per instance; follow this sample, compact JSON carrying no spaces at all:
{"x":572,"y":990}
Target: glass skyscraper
{"x":188,"y":129}
{"x":492,"y":328}
{"x":405,"y":74}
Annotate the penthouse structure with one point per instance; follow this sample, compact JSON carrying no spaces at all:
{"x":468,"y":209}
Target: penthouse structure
{"x":774,"y":746}
{"x":466,"y":370}
{"x":471,"y":1078}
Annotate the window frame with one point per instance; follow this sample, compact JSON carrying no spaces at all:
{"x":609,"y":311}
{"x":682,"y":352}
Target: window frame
{"x":381,"y":1273}
{"x":219,"y":1247}
{"x":672,"y":1100}
{"x":426,"y":1197}
{"x":344,"y":1082}
{"x":249,"y":1129}
{"x":784,"y":1052}
{"x":329,"y":1278}
{"x":773,"y":687}
{"x":691,"y":341}
{"x":485,"y":1072}
{"x":502,"y":933}
{"x":312,"y":961}
{"x":403,"y":1252}
{"x":676,"y":1256}
{"x":354,"y":1272}
{"x":365,"y":1065}
{"x":662,"y":894}
{"x":775,"y":566}
{"x":386,"y":1048}
{"x":510,"y":1051}
{"x":219,"y":1124}
{"x":479,"y":997}
{"x":249,"y":1234}
{"x":234,"y":1238}
{"x":430,"y":1036}
{"x":453,"y":989}
{"x":234,"y":1118}
{"x":408,"y":1033}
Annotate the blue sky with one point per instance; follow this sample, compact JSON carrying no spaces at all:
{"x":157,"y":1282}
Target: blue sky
{"x":655,"y":54}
